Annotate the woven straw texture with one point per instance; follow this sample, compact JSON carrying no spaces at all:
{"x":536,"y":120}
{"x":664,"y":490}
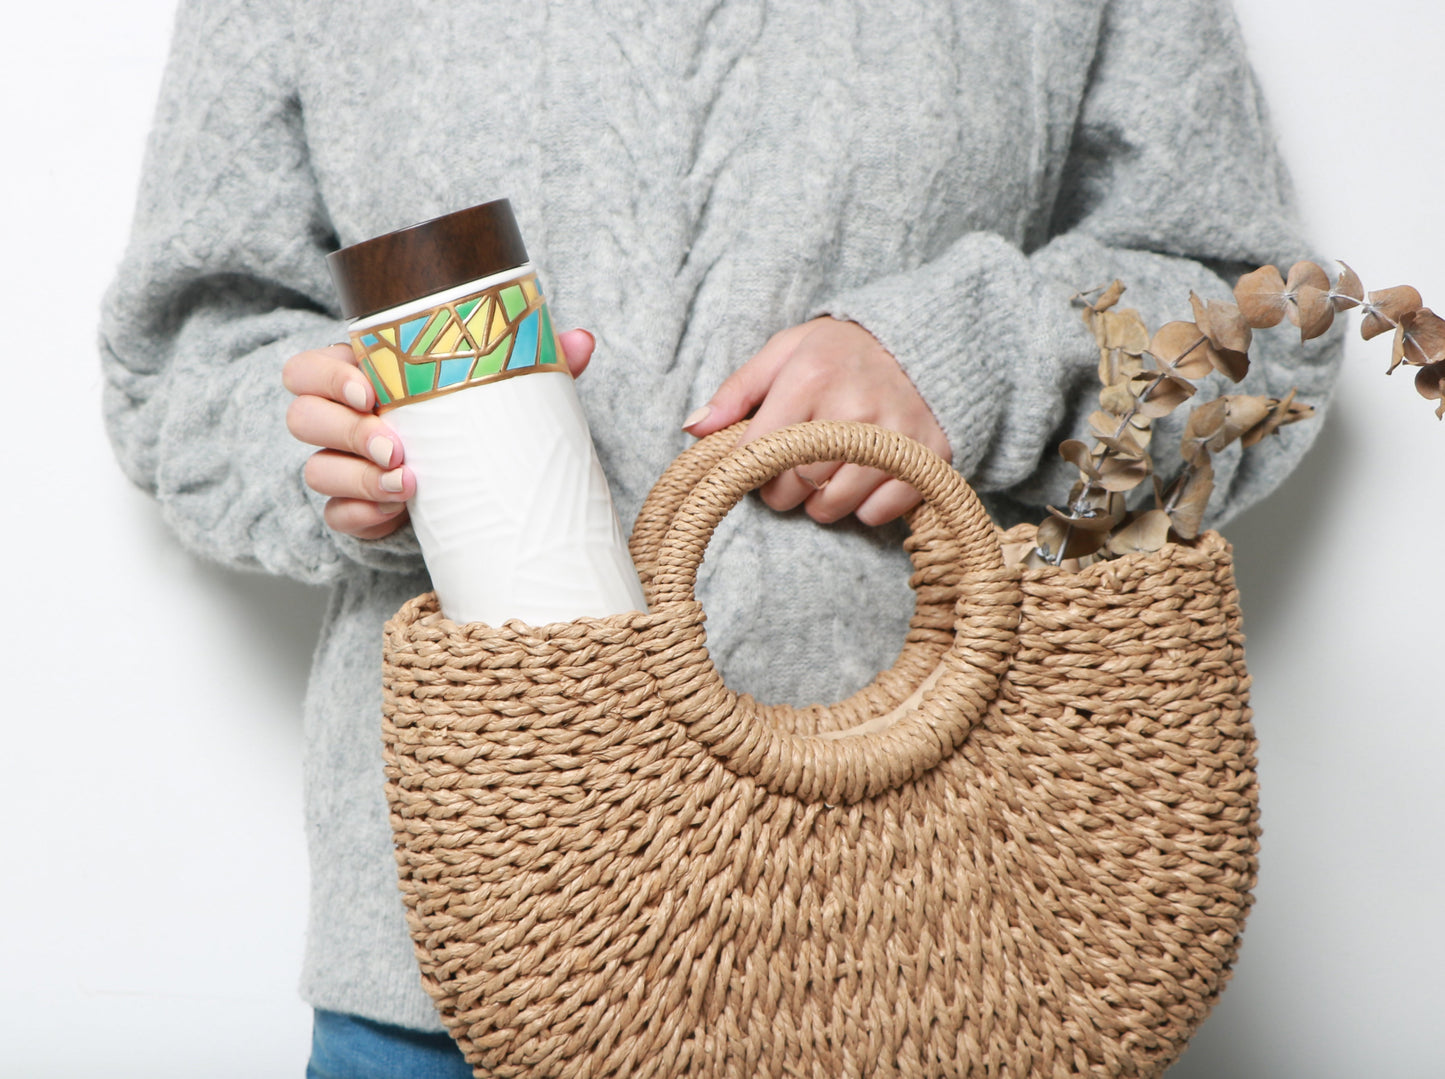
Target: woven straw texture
{"x":1027,"y":849}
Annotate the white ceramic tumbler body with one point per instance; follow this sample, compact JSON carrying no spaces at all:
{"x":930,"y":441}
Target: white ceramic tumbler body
{"x":511,"y":510}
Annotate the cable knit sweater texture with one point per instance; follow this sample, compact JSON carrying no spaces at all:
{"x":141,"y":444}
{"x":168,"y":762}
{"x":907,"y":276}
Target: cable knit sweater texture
{"x":690,"y":179}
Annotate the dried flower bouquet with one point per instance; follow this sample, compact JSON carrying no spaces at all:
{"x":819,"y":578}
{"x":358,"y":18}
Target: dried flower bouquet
{"x":1144,"y":377}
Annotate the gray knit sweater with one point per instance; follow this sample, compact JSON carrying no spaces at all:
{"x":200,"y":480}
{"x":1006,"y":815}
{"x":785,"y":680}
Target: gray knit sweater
{"x":690,"y":179}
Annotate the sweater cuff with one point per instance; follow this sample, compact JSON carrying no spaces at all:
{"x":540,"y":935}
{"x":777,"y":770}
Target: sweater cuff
{"x":398,"y":552}
{"x":959,"y":328}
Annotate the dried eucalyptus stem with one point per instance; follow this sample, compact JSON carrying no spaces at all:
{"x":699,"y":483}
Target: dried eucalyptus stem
{"x":1144,"y":378}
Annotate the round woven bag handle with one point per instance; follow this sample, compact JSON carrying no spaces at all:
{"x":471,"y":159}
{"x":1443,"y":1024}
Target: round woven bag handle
{"x":889,"y":750}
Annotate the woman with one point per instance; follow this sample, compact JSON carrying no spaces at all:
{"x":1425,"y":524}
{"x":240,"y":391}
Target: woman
{"x":849,"y":211}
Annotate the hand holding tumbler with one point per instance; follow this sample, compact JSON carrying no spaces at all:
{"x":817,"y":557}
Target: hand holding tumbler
{"x":512,"y":510}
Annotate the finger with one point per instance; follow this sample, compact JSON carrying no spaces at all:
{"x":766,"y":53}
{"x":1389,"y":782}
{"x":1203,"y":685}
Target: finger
{"x":817,"y":476}
{"x":344,"y":475}
{"x":889,"y":502}
{"x":797,"y":485}
{"x":331,"y":373}
{"x":318,"y":421}
{"x":849,"y":487}
{"x":577,"y":348}
{"x":742,"y":390}
{"x":364,"y":519}
{"x":786,"y":404}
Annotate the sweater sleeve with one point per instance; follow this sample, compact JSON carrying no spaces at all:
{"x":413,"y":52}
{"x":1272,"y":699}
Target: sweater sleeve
{"x":1172,"y":182}
{"x":223,"y":280}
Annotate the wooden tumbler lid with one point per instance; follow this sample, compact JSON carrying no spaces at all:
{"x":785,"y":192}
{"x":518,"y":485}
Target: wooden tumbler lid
{"x":403,"y":266}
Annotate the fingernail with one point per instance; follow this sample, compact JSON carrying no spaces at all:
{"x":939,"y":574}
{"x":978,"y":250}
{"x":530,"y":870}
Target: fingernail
{"x":380,"y":447}
{"x":697,"y":417}
{"x":391,"y":481}
{"x":389,"y":508}
{"x":355,"y":395}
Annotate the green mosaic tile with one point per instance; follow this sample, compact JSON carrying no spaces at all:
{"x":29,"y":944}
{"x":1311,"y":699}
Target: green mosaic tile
{"x":490,"y":363}
{"x":513,"y":301}
{"x":420,"y":377}
{"x":438,"y":323}
{"x":549,"y":339}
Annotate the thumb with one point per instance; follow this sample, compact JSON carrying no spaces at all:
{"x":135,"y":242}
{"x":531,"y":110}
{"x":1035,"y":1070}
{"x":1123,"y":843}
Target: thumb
{"x":577,"y":346}
{"x":744,"y":389}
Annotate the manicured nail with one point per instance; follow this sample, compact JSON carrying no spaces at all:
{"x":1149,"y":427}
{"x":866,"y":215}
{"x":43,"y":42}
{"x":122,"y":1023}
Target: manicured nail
{"x":390,"y":508}
{"x":391,"y":481}
{"x":380,"y":447}
{"x":697,"y":417}
{"x":355,"y":395}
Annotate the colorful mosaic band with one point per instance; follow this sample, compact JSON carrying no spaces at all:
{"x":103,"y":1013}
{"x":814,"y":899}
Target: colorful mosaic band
{"x":494,"y":334}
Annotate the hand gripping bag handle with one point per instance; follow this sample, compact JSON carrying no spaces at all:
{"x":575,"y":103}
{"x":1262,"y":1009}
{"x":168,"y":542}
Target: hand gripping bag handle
{"x":888,"y":748}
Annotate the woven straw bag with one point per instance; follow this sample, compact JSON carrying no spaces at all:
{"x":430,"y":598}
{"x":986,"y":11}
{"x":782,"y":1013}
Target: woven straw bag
{"x":1026,"y":849}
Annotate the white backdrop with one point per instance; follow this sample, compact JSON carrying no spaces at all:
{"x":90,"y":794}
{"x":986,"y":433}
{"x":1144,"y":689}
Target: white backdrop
{"x":153,"y":898}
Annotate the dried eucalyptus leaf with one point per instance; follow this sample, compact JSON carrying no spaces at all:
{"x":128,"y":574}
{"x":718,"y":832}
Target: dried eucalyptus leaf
{"x":1241,"y":413}
{"x":1203,"y":423}
{"x":1313,"y":313}
{"x":1229,"y":335}
{"x":1190,"y":496}
{"x":1348,"y":291}
{"x":1110,"y":296}
{"x":1104,"y":425}
{"x":1116,"y":365}
{"x":1374,"y":324}
{"x":1123,"y":473}
{"x":1397,"y":350}
{"x":1133,"y":435}
{"x":1126,"y":445}
{"x":1161,"y":394}
{"x":1119,"y":398}
{"x":1015,"y":554}
{"x":1205,"y":419}
{"x":1384,"y":309}
{"x":1424,"y":336}
{"x":1261,"y":297}
{"x":1125,"y":330}
{"x":1054,"y":534}
{"x":1094,"y":501}
{"x":1147,"y":532}
{"x":1077,"y":454}
{"x":1295,"y":411}
{"x":1430,"y":381}
{"x":1122,"y":448}
{"x":1183,"y":347}
{"x":1304,"y":273}
{"x":1281,"y":413}
{"x":1096,"y":326}
{"x":1231,"y":364}
{"x":1227,"y":326}
{"x":1036,"y":559}
{"x":1201,"y":311}
{"x":1049,"y":535}
{"x":1397,"y":301}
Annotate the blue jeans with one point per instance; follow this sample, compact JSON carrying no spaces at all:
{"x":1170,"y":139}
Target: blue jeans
{"x":349,"y":1047}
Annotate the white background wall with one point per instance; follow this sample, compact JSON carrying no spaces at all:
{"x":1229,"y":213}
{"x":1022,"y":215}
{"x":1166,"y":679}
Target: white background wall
{"x":153,"y":892}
